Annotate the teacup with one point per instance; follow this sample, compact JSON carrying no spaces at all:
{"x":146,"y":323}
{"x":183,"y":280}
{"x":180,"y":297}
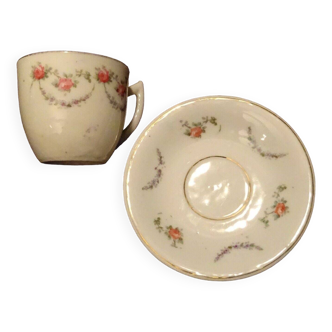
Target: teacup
{"x":73,"y":106}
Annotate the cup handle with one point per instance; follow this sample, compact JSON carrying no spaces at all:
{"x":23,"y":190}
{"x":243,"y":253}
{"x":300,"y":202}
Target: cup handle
{"x":137,"y":90}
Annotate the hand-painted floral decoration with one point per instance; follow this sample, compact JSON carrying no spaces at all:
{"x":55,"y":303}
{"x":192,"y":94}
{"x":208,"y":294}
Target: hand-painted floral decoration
{"x":196,"y":129}
{"x":266,"y":154}
{"x":172,"y":233}
{"x":238,"y":245}
{"x":65,"y":82}
{"x":155,"y":181}
{"x":106,"y":76}
{"x":278,"y":209}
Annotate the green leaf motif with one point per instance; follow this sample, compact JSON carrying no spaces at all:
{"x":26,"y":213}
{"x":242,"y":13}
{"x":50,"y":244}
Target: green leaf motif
{"x":282,"y":188}
{"x":213,"y":120}
{"x":157,"y":221}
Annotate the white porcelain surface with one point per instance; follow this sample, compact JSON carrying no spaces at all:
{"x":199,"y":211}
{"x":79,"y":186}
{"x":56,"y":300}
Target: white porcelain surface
{"x":219,"y":188}
{"x":73,"y":105}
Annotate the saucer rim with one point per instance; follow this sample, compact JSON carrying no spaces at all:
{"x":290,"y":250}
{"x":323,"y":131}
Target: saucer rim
{"x":186,"y":271}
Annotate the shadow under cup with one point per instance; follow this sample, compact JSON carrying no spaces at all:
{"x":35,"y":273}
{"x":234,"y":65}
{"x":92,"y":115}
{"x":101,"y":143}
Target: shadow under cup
{"x":73,"y":106}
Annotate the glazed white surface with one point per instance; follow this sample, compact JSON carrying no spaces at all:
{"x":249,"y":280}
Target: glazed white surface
{"x":202,"y":238}
{"x":88,"y":132}
{"x":217,"y":188}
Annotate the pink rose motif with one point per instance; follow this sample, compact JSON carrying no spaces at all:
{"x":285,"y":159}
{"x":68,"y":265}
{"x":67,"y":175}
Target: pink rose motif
{"x":174,"y":233}
{"x":104,"y":76}
{"x":65,"y":84}
{"x":39,"y":72}
{"x":196,"y":132}
{"x":280,"y":209}
{"x":121,"y":90}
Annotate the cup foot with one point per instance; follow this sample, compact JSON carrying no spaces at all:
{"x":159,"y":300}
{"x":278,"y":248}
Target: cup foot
{"x":73,"y":162}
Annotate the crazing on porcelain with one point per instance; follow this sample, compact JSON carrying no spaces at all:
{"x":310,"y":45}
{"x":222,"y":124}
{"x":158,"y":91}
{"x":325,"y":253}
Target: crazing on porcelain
{"x":172,"y":233}
{"x":196,"y":129}
{"x":159,"y":173}
{"x":278,"y":209}
{"x":65,"y":82}
{"x":263,"y":153}
{"x":238,"y":245}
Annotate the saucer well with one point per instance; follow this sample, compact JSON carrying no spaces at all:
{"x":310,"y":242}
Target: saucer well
{"x":219,"y":188}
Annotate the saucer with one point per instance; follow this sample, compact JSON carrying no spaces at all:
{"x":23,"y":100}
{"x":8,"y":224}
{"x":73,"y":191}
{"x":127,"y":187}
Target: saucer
{"x":219,"y":188}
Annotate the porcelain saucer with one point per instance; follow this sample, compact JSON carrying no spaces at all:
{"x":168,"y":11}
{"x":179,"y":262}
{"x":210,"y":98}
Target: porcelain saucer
{"x":219,"y":188}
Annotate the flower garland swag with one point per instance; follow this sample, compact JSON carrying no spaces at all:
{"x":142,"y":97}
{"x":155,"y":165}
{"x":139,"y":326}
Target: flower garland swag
{"x":65,"y":82}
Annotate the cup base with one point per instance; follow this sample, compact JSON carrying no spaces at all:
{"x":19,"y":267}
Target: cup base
{"x":73,"y":162}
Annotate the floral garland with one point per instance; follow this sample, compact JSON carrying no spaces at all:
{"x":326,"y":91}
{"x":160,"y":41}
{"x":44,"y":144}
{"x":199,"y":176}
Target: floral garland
{"x":105,"y":77}
{"x":155,"y":181}
{"x":66,"y":82}
{"x":265,"y":154}
{"x":238,"y":245}
{"x":74,"y":102}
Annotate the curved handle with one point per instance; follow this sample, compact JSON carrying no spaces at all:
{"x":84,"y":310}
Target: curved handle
{"x":137,"y":90}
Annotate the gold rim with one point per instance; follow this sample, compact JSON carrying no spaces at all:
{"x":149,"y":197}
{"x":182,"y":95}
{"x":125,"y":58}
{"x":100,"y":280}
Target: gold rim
{"x":193,"y":273}
{"x":238,"y":210}
{"x":78,"y":52}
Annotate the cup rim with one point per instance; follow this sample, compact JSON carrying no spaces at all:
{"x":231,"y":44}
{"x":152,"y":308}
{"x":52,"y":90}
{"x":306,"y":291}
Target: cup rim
{"x":79,"y":52}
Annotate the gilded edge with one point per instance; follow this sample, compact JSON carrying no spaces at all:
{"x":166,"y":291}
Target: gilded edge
{"x":73,"y":52}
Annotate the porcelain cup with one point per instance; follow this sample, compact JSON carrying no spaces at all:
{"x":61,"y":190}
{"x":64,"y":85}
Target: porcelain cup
{"x":73,"y":106}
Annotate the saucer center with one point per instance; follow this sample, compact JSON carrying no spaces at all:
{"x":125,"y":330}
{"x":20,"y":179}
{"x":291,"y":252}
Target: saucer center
{"x":217,"y":188}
